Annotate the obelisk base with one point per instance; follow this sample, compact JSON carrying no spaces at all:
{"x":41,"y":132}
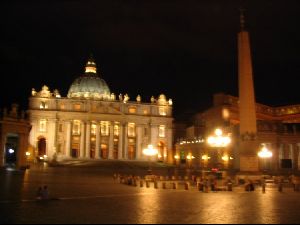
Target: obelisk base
{"x":249,"y":168}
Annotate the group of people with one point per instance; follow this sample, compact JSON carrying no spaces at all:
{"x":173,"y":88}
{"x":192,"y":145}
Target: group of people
{"x":42,"y":193}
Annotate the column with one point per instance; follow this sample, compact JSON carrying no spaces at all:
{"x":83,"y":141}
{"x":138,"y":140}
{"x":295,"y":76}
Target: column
{"x":154,"y":135}
{"x":21,"y":157}
{"x":97,"y":150}
{"x":139,"y":137}
{"x":68,"y":139}
{"x":82,"y":139}
{"x":275,"y":156}
{"x":125,"y":141}
{"x":111,"y":141}
{"x":88,"y":140}
{"x":55,"y":136}
{"x":286,"y":151}
{"x":51,"y":147}
{"x":295,"y":156}
{"x":169,"y":145}
{"x":2,"y":145}
{"x":120,"y":144}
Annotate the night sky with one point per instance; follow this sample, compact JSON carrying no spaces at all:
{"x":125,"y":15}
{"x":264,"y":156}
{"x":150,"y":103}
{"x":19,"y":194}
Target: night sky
{"x":186,"y":49}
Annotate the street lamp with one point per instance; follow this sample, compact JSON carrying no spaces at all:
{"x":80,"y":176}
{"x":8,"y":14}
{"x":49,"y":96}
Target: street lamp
{"x":150,"y":151}
{"x":176,"y":157}
{"x":189,"y":158}
{"x":264,"y":153}
{"x":218,"y":140}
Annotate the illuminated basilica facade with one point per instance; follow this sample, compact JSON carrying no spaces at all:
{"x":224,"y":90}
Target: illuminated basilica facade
{"x":93,"y":123}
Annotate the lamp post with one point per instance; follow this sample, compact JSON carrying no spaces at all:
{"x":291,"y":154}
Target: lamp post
{"x":150,"y":151}
{"x":189,"y":158}
{"x":264,"y":153}
{"x":176,"y":157}
{"x":218,"y":140}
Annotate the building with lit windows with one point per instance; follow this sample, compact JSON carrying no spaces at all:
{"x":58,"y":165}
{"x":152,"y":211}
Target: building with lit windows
{"x":94,"y":123}
{"x":278,"y":128}
{"x":14,"y":131}
{"x":251,"y":127}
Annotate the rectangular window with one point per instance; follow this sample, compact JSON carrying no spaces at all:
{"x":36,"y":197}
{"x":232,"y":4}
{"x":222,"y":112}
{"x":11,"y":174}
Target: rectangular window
{"x":131,"y":129}
{"x":132,"y":110}
{"x":116,"y":130}
{"x":43,"y":105}
{"x":162,"y":111}
{"x":76,"y":127}
{"x":145,"y":111}
{"x":43,"y":125}
{"x":162,"y":131}
{"x":93,"y":129}
{"x":104,"y":128}
{"x":77,"y":106}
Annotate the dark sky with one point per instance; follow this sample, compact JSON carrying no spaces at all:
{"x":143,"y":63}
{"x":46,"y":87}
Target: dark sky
{"x":186,"y":49}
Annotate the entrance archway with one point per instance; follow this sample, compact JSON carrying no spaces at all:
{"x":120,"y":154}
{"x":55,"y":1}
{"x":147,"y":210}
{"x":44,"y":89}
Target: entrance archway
{"x":11,"y":149}
{"x":41,"y":146}
{"x":161,"y":147}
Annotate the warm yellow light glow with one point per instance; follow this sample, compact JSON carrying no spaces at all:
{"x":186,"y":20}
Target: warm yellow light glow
{"x":189,"y":157}
{"x":205,"y":157}
{"x":176,"y":156}
{"x":264,"y":153}
{"x":225,"y":113}
{"x":218,"y":140}
{"x":225,"y":157}
{"x":150,"y":151}
{"x":90,"y":69}
{"x":27,"y":153}
{"x":218,"y":132}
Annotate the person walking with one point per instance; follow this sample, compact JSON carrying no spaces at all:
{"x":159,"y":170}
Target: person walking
{"x":39,"y":193}
{"x":45,"y":193}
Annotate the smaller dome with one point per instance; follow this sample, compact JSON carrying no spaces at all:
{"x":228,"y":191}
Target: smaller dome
{"x":89,"y":85}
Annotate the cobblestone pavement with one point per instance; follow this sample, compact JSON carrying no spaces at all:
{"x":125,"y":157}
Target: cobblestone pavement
{"x":91,"y":195}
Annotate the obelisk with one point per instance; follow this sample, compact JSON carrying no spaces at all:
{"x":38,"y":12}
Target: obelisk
{"x":248,"y":145}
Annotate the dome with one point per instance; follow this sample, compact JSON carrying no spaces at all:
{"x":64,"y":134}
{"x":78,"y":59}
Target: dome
{"x":89,"y":85}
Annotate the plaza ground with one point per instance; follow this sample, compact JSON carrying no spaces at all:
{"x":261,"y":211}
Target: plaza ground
{"x":85,"y":192}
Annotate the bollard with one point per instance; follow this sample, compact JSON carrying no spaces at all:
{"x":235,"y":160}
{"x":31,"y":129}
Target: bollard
{"x":280,"y":187}
{"x":174,"y":185}
{"x":186,"y":185}
{"x":147,"y":184}
{"x":155,"y":184}
{"x":164,"y":185}
{"x":206,"y":188}
{"x":263,"y":188}
{"x":200,"y":186}
{"x":229,"y":187}
{"x":141,"y":183}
